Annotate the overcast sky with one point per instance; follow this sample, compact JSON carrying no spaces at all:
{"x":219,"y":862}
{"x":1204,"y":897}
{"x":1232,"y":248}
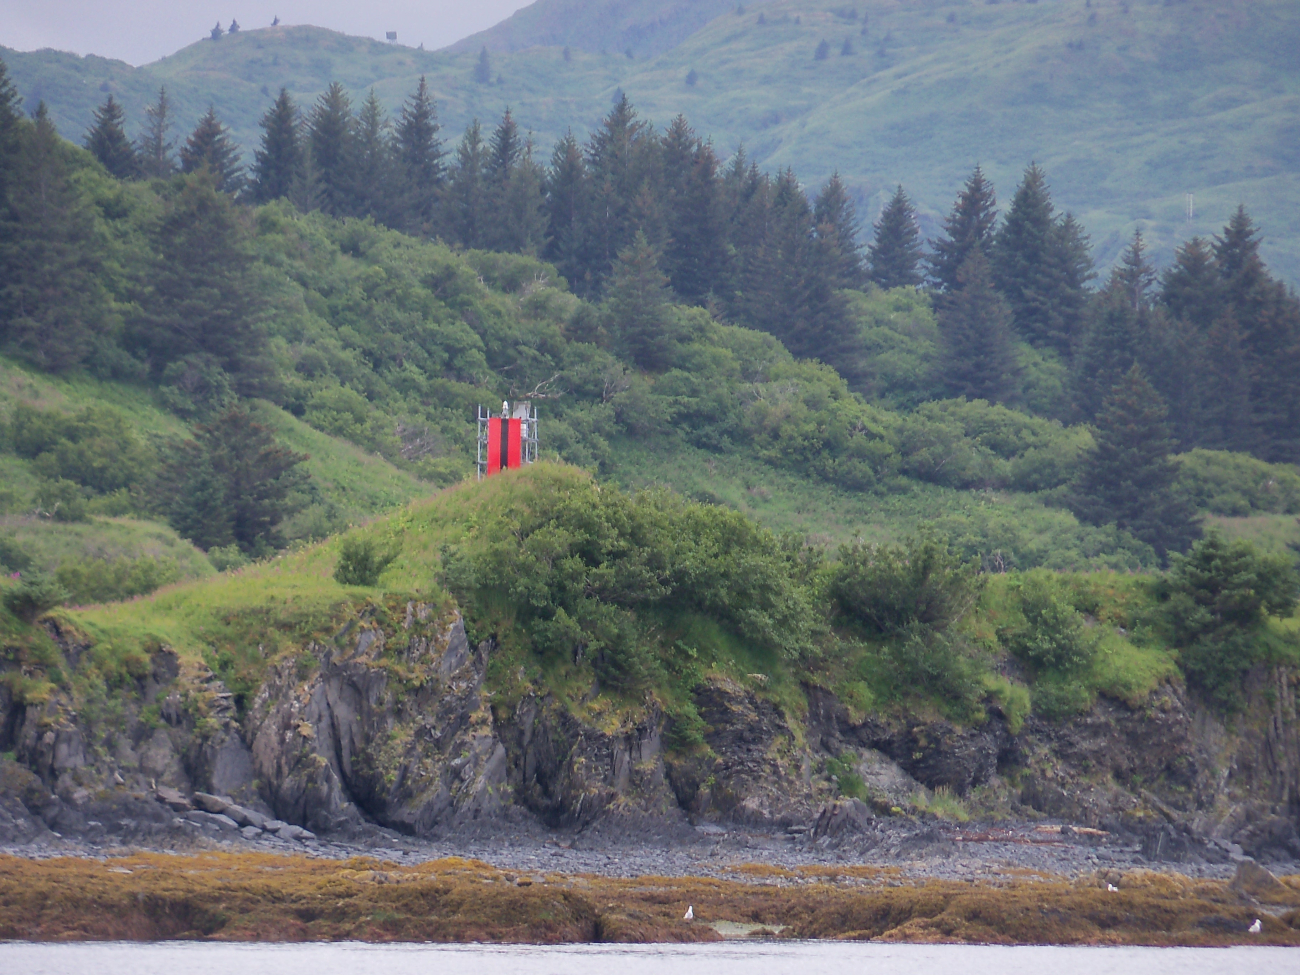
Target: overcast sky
{"x":140,"y":31}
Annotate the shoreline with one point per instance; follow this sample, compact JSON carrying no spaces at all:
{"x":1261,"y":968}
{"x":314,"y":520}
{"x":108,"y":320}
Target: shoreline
{"x":549,"y":894}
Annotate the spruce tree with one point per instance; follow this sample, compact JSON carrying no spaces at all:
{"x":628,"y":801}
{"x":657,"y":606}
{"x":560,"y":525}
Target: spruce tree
{"x":1268,"y":316}
{"x":637,"y":309}
{"x":419,"y":158}
{"x":969,"y":226}
{"x":1042,"y":265}
{"x":695,"y":253}
{"x":621,"y":155}
{"x":372,"y":169}
{"x":1128,"y":479}
{"x":837,"y":223}
{"x":210,"y":146}
{"x":204,"y":297}
{"x":1114,"y":340}
{"x":306,"y":192}
{"x":333,"y":147}
{"x":483,"y":69}
{"x":11,"y":126}
{"x":466,"y":210}
{"x":789,"y":289}
{"x":566,"y":201}
{"x":1191,"y":287}
{"x":54,"y":308}
{"x":278,"y":161}
{"x":979,"y":356}
{"x":108,"y":143}
{"x":155,"y":145}
{"x":233,"y":482}
{"x":894,"y":256}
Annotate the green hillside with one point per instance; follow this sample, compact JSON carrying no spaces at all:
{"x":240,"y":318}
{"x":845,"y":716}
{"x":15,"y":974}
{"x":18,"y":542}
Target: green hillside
{"x":1128,"y":105}
{"x":644,"y":27}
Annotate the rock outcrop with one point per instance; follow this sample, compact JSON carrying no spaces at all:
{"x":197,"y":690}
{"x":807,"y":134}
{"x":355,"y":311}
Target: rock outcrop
{"x":391,"y":723}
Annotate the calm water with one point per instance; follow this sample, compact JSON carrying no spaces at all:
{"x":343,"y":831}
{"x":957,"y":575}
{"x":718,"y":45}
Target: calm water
{"x":769,"y":958}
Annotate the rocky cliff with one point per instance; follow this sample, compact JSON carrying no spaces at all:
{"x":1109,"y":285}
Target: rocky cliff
{"x":392,"y":722}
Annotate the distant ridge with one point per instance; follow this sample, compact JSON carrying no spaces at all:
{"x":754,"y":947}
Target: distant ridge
{"x":645,"y":27}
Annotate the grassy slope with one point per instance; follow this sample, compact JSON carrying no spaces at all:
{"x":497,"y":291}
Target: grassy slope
{"x":353,"y":483}
{"x":647,"y":27}
{"x":1160,"y":99}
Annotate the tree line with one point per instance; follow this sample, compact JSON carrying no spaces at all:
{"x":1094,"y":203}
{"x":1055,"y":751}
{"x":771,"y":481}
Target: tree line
{"x":1215,"y":333}
{"x":640,"y":222}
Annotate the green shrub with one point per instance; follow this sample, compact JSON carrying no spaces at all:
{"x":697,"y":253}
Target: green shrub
{"x":62,"y":500}
{"x":13,"y":556}
{"x":225,"y":557}
{"x":891,"y":588}
{"x":34,"y":594}
{"x":94,"y":448}
{"x":845,"y":772}
{"x":1237,"y":484}
{"x":103,"y":580}
{"x":361,"y":562}
{"x":1219,"y":598}
{"x":1056,"y":697}
{"x":1054,"y":637}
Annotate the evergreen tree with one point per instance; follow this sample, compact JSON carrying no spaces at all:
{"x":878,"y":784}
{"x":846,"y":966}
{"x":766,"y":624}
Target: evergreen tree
{"x":53,"y":306}
{"x":1224,"y":417}
{"x":210,"y":146}
{"x":695,"y":253}
{"x":1114,"y":340}
{"x":1269,"y":320}
{"x":306,"y":191}
{"x":1072,"y":269}
{"x":895,"y":254}
{"x":837,"y":223}
{"x":520,"y":227}
{"x":566,"y":201}
{"x":483,"y":69}
{"x":419,"y":157}
{"x":1128,"y":479}
{"x":979,"y":356}
{"x":11,"y":125}
{"x":637,"y":309}
{"x":1135,"y":276}
{"x":278,"y":161}
{"x":969,"y":226}
{"x":1042,"y":266}
{"x":466,"y":194}
{"x":154,"y":147}
{"x":204,"y":297}
{"x":232,"y":483}
{"x":108,"y":143}
{"x":621,"y":165}
{"x":372,"y":169}
{"x":333,"y":148}
{"x":1191,"y":287}
{"x":789,"y":289}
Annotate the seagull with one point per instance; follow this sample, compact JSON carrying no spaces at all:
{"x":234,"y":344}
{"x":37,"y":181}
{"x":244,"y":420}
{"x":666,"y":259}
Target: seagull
{"x":1256,"y":928}
{"x":1112,"y":888}
{"x":690,"y":916}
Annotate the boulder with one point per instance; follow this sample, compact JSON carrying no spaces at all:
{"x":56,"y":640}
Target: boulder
{"x":246,"y":817}
{"x":212,"y":819}
{"x":210,"y":803}
{"x":251,"y":832}
{"x":1256,"y":881}
{"x":172,"y":799}
{"x":291,"y":832}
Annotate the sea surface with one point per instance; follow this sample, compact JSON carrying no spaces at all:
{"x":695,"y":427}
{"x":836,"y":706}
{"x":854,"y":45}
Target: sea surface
{"x":761,"y":958}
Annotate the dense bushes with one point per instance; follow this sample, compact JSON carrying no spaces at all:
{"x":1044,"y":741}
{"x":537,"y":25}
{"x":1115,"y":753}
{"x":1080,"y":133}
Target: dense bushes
{"x":588,"y":573}
{"x":1221,"y":599}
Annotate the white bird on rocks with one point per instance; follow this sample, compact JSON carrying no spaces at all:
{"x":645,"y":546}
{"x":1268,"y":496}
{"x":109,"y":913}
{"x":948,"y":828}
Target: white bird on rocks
{"x":1112,"y":888}
{"x":690,"y":913}
{"x":1256,"y":928}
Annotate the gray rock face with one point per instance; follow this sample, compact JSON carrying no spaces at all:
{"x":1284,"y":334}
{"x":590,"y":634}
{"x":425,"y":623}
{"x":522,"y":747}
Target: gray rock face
{"x":390,"y":724}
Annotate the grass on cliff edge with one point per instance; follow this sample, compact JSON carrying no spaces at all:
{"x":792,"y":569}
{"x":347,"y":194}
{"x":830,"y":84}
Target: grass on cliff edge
{"x":263,"y":897}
